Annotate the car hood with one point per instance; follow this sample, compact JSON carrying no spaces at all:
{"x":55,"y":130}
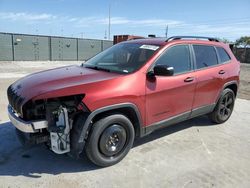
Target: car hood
{"x":60,"y":81}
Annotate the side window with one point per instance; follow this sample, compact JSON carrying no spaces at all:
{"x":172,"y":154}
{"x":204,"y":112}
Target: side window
{"x":205,"y":56}
{"x":177,"y":57}
{"x":224,"y":57}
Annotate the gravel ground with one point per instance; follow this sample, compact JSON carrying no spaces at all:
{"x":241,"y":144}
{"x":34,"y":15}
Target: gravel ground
{"x":191,"y":154}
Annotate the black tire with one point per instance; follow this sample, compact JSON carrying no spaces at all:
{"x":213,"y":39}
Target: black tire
{"x":224,"y":107}
{"x":110,"y":140}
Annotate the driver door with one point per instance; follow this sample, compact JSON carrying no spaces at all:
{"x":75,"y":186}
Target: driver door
{"x":171,"y":97}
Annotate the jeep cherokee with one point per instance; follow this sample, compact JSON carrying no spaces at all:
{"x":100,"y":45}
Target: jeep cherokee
{"x":126,"y":91}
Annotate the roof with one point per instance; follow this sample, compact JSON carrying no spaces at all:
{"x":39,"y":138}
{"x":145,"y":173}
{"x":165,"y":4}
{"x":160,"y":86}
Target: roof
{"x":163,"y":41}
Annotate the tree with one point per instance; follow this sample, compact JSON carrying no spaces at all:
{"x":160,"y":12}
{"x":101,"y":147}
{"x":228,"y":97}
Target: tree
{"x":243,"y":41}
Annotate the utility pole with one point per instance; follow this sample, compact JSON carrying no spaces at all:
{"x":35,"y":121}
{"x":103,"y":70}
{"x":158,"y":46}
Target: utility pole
{"x":109,"y":22}
{"x":105,"y":35}
{"x":166,"y":32}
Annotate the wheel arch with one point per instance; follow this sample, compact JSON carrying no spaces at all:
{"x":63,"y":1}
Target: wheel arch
{"x":233,"y":85}
{"x":130,"y":110}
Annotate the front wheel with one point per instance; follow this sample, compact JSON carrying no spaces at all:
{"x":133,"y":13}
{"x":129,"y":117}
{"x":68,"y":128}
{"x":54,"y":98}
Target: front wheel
{"x":110,"y":140}
{"x":224,"y":107}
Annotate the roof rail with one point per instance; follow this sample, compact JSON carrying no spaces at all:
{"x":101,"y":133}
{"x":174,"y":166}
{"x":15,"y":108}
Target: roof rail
{"x":191,"y":37}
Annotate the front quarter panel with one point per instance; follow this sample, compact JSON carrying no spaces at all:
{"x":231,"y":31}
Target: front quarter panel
{"x":125,"y":89}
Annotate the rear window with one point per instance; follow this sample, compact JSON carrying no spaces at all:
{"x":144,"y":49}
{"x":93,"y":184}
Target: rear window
{"x":205,"y":56}
{"x":224,"y":57}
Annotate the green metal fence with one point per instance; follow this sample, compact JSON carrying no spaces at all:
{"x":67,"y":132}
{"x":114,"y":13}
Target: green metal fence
{"x":22,"y":47}
{"x":6,"y":47}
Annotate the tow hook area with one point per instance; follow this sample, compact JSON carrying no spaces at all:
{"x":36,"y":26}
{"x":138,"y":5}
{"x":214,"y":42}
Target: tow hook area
{"x":59,"y":128}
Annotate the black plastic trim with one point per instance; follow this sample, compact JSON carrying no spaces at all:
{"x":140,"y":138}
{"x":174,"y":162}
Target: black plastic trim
{"x":167,"y":122}
{"x":105,"y":109}
{"x":226,"y":85}
{"x":180,"y":118}
{"x":192,"y":37}
{"x":202,"y":110}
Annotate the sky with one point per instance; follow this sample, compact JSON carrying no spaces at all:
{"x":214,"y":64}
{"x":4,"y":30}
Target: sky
{"x":229,"y":19}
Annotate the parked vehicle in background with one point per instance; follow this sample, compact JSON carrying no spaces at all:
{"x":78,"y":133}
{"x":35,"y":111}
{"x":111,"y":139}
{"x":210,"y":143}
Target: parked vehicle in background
{"x":121,"y":38}
{"x":126,"y":91}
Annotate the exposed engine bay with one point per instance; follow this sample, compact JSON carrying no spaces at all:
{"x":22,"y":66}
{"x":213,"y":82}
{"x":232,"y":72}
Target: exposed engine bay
{"x":59,"y":113}
{"x":60,"y":131}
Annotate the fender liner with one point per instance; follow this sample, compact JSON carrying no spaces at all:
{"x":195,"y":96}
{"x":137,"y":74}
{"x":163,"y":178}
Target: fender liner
{"x":87,"y":123}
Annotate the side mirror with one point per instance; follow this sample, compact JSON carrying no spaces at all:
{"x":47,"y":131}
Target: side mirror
{"x":163,"y":70}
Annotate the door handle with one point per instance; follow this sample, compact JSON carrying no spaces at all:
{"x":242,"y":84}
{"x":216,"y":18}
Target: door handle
{"x":189,"y":79}
{"x":222,"y":72}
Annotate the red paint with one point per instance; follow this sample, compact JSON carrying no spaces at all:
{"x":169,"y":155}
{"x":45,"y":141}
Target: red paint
{"x":156,"y":100}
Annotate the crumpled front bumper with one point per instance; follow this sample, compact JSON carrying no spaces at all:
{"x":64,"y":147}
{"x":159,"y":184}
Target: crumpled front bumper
{"x":26,"y":126}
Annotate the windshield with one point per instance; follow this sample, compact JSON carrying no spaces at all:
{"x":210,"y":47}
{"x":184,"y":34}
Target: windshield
{"x":122,"y":58}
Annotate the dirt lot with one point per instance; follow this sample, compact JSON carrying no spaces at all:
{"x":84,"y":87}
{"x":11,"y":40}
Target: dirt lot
{"x":191,"y":154}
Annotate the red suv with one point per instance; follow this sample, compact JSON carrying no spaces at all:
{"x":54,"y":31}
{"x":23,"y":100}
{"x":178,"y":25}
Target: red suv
{"x":126,"y":91}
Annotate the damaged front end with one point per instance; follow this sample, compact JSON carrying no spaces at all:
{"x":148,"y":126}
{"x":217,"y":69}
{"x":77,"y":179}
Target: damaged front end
{"x":49,"y":121}
{"x":59,"y":128}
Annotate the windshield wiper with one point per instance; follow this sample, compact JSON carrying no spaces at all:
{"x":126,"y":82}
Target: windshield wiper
{"x":98,"y":68}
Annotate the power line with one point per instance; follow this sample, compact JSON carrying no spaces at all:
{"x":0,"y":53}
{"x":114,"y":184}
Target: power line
{"x":166,"y":32}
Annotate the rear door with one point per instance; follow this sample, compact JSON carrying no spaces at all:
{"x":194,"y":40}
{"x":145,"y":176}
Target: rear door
{"x":209,"y":74}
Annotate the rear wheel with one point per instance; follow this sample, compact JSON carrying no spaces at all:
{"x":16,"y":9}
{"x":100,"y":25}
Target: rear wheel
{"x":224,"y":107}
{"x":110,"y":140}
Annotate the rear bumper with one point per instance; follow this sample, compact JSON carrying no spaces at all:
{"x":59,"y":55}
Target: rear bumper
{"x":26,"y":126}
